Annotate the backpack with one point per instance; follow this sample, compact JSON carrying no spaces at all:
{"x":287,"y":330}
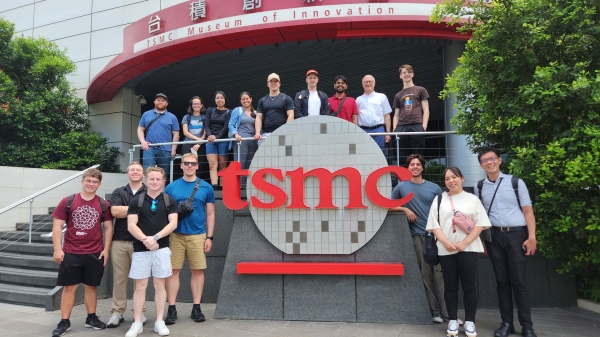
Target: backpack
{"x":515,"y":185}
{"x":143,"y":198}
{"x":70,"y":202}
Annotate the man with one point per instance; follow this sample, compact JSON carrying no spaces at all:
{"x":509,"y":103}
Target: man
{"x":192,"y":238}
{"x":311,"y":102}
{"x":374,"y":112}
{"x":273,"y":110}
{"x":122,"y":245}
{"x":158,"y":126}
{"x":151,"y":217}
{"x":341,"y":105}
{"x":512,"y":240}
{"x":411,"y":113}
{"x":83,"y":255}
{"x":417,"y":211}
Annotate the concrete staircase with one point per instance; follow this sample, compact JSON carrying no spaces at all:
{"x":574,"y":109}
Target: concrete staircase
{"x":27,"y":271}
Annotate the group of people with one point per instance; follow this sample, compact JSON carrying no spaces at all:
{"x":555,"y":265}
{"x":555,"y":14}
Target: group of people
{"x":370,"y":111}
{"x":152,"y":236}
{"x":504,"y":228}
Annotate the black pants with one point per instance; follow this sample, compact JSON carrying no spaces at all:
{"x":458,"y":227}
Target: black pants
{"x":202,"y":172}
{"x":509,"y":261}
{"x":410,"y":144}
{"x":463,"y":266}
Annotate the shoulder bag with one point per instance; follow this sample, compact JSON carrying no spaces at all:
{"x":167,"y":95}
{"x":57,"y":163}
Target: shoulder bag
{"x":460,"y":220}
{"x":186,"y":207}
{"x":430,"y":249}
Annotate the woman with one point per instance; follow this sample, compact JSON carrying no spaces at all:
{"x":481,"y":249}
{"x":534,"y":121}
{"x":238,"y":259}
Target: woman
{"x":192,"y":125}
{"x":457,"y":249}
{"x":241,"y":125}
{"x":217,"y":119}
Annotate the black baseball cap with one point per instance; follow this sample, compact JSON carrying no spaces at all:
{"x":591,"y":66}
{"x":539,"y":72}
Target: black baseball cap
{"x":161,"y":95}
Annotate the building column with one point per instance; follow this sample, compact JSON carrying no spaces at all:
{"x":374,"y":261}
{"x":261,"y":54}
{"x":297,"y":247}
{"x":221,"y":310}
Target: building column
{"x":118,"y":120}
{"x":458,"y":152}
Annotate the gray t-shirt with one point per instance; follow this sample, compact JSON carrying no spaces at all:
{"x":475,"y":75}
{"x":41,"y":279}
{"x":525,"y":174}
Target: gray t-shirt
{"x":420,"y":203}
{"x":247,"y":126}
{"x":195,"y":126}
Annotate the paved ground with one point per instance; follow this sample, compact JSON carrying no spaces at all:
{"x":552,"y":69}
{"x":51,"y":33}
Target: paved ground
{"x":20,"y":321}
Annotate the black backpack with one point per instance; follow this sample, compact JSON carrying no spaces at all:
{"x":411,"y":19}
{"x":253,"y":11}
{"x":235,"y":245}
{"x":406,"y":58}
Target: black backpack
{"x":515,"y":185}
{"x":70,"y":202}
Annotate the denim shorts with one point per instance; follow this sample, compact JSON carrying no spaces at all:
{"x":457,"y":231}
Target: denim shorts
{"x":220,"y":148}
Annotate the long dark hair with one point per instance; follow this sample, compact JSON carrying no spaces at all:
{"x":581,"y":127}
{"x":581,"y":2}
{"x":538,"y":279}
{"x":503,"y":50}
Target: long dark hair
{"x":224,"y":96}
{"x":253,"y":114}
{"x":190,"y":110}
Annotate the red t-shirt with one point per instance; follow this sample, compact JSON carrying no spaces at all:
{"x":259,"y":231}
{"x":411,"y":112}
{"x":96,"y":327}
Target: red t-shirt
{"x":84,"y":233}
{"x":348,"y":109}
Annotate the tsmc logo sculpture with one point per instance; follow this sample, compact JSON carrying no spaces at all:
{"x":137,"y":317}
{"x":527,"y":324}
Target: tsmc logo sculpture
{"x":305,"y":187}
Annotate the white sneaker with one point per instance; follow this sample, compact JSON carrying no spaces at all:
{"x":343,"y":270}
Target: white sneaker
{"x":436,"y":319}
{"x":144,"y":319}
{"x":459,"y":321}
{"x":136,"y":329}
{"x":161,"y":328}
{"x":114,"y":321}
{"x":470,"y":329}
{"x":452,"y":329}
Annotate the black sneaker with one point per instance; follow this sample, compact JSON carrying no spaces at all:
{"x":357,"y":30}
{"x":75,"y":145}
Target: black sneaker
{"x":197,"y":315}
{"x":94,"y":322}
{"x":171,"y":317}
{"x":61,"y":329}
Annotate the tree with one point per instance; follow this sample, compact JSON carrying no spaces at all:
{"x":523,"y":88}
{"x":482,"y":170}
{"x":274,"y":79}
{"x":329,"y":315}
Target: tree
{"x":42,"y":122}
{"x":529,"y":83}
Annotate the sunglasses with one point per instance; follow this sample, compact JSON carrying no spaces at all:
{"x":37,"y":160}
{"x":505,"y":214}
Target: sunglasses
{"x":189,"y":163}
{"x":153,"y":207}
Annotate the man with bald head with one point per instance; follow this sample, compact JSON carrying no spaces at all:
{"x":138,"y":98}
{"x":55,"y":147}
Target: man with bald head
{"x":374,"y":112}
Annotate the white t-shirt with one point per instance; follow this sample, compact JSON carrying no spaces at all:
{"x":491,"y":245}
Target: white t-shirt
{"x":469,"y":205}
{"x":314,"y":104}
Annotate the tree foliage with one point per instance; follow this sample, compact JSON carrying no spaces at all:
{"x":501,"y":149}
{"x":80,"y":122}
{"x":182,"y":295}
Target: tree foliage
{"x":42,"y":122}
{"x":529,"y":83}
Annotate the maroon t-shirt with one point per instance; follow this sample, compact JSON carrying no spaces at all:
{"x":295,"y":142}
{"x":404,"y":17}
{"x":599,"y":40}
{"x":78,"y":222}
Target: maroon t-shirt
{"x":84,"y":233}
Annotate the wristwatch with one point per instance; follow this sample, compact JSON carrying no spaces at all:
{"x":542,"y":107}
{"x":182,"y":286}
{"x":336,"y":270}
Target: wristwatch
{"x":156,"y":237}
{"x":210,"y":238}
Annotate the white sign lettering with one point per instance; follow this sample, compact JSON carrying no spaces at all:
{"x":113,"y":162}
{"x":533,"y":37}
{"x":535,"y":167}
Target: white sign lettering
{"x":154,"y":24}
{"x":251,"y":4}
{"x":198,"y":10}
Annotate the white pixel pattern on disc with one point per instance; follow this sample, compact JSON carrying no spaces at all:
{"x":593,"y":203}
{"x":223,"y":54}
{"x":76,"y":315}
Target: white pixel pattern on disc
{"x":319,"y":142}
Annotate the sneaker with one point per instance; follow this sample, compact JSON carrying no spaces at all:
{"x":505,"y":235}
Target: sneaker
{"x":446,"y":319}
{"x":94,"y":322}
{"x":470,"y":329}
{"x":136,"y":329}
{"x":61,"y":329}
{"x":161,"y":328}
{"x":144,"y":319}
{"x":171,"y":317}
{"x":114,"y":321}
{"x":436,"y":319}
{"x":197,"y":315}
{"x":452,"y":329}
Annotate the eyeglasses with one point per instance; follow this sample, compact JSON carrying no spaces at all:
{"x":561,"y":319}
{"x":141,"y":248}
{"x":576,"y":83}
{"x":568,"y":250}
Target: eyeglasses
{"x":368,"y":82}
{"x":153,"y":207}
{"x":490,"y":159}
{"x":189,"y":163}
{"x":88,"y":181}
{"x":196,"y":104}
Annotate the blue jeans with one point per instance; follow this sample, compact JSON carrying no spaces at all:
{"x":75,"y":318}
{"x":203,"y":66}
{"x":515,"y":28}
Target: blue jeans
{"x":157,"y":157}
{"x":380,"y":140}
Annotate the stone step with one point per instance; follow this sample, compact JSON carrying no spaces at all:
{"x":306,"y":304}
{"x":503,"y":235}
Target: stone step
{"x":25,"y":261}
{"x":28,"y":277}
{"x":17,"y":247}
{"x":23,"y":236}
{"x":24,"y":295}
{"x":45,"y":226}
{"x":42,"y":217}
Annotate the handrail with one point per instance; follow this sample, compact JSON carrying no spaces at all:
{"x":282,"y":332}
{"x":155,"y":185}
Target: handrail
{"x":37,"y":194}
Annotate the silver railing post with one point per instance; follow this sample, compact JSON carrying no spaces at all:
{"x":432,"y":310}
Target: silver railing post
{"x":171,"y":170}
{"x":131,"y":155}
{"x":30,"y":217}
{"x":239,"y":154}
{"x":398,"y":150}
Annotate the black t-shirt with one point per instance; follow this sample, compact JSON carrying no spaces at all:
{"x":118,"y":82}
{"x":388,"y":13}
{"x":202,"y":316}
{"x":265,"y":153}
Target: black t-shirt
{"x":152,"y":222}
{"x":216,"y":122}
{"x":274,"y":111}
{"x":121,"y":196}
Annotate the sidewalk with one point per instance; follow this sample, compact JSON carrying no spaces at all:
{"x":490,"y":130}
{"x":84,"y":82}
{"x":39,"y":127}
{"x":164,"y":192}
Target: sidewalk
{"x":21,"y":321}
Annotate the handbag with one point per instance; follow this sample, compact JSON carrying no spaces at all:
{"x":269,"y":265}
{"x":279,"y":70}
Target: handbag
{"x":430,"y":249}
{"x":460,"y":220}
{"x":186,"y":207}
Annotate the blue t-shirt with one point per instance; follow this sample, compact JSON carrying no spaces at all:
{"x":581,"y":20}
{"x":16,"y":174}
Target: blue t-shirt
{"x":161,"y":130}
{"x":420,"y":203}
{"x":194,"y":223}
{"x":195,"y":126}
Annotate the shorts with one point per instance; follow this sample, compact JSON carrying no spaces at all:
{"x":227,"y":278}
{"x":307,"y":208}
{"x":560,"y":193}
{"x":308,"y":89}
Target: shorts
{"x":190,"y":245}
{"x":220,"y":148}
{"x":156,"y":263}
{"x":80,"y":268}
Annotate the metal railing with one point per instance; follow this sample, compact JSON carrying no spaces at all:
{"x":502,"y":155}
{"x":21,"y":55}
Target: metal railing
{"x":32,"y":197}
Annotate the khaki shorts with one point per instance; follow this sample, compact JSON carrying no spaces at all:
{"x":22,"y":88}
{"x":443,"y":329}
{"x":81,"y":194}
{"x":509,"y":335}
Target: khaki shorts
{"x":192,"y":246}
